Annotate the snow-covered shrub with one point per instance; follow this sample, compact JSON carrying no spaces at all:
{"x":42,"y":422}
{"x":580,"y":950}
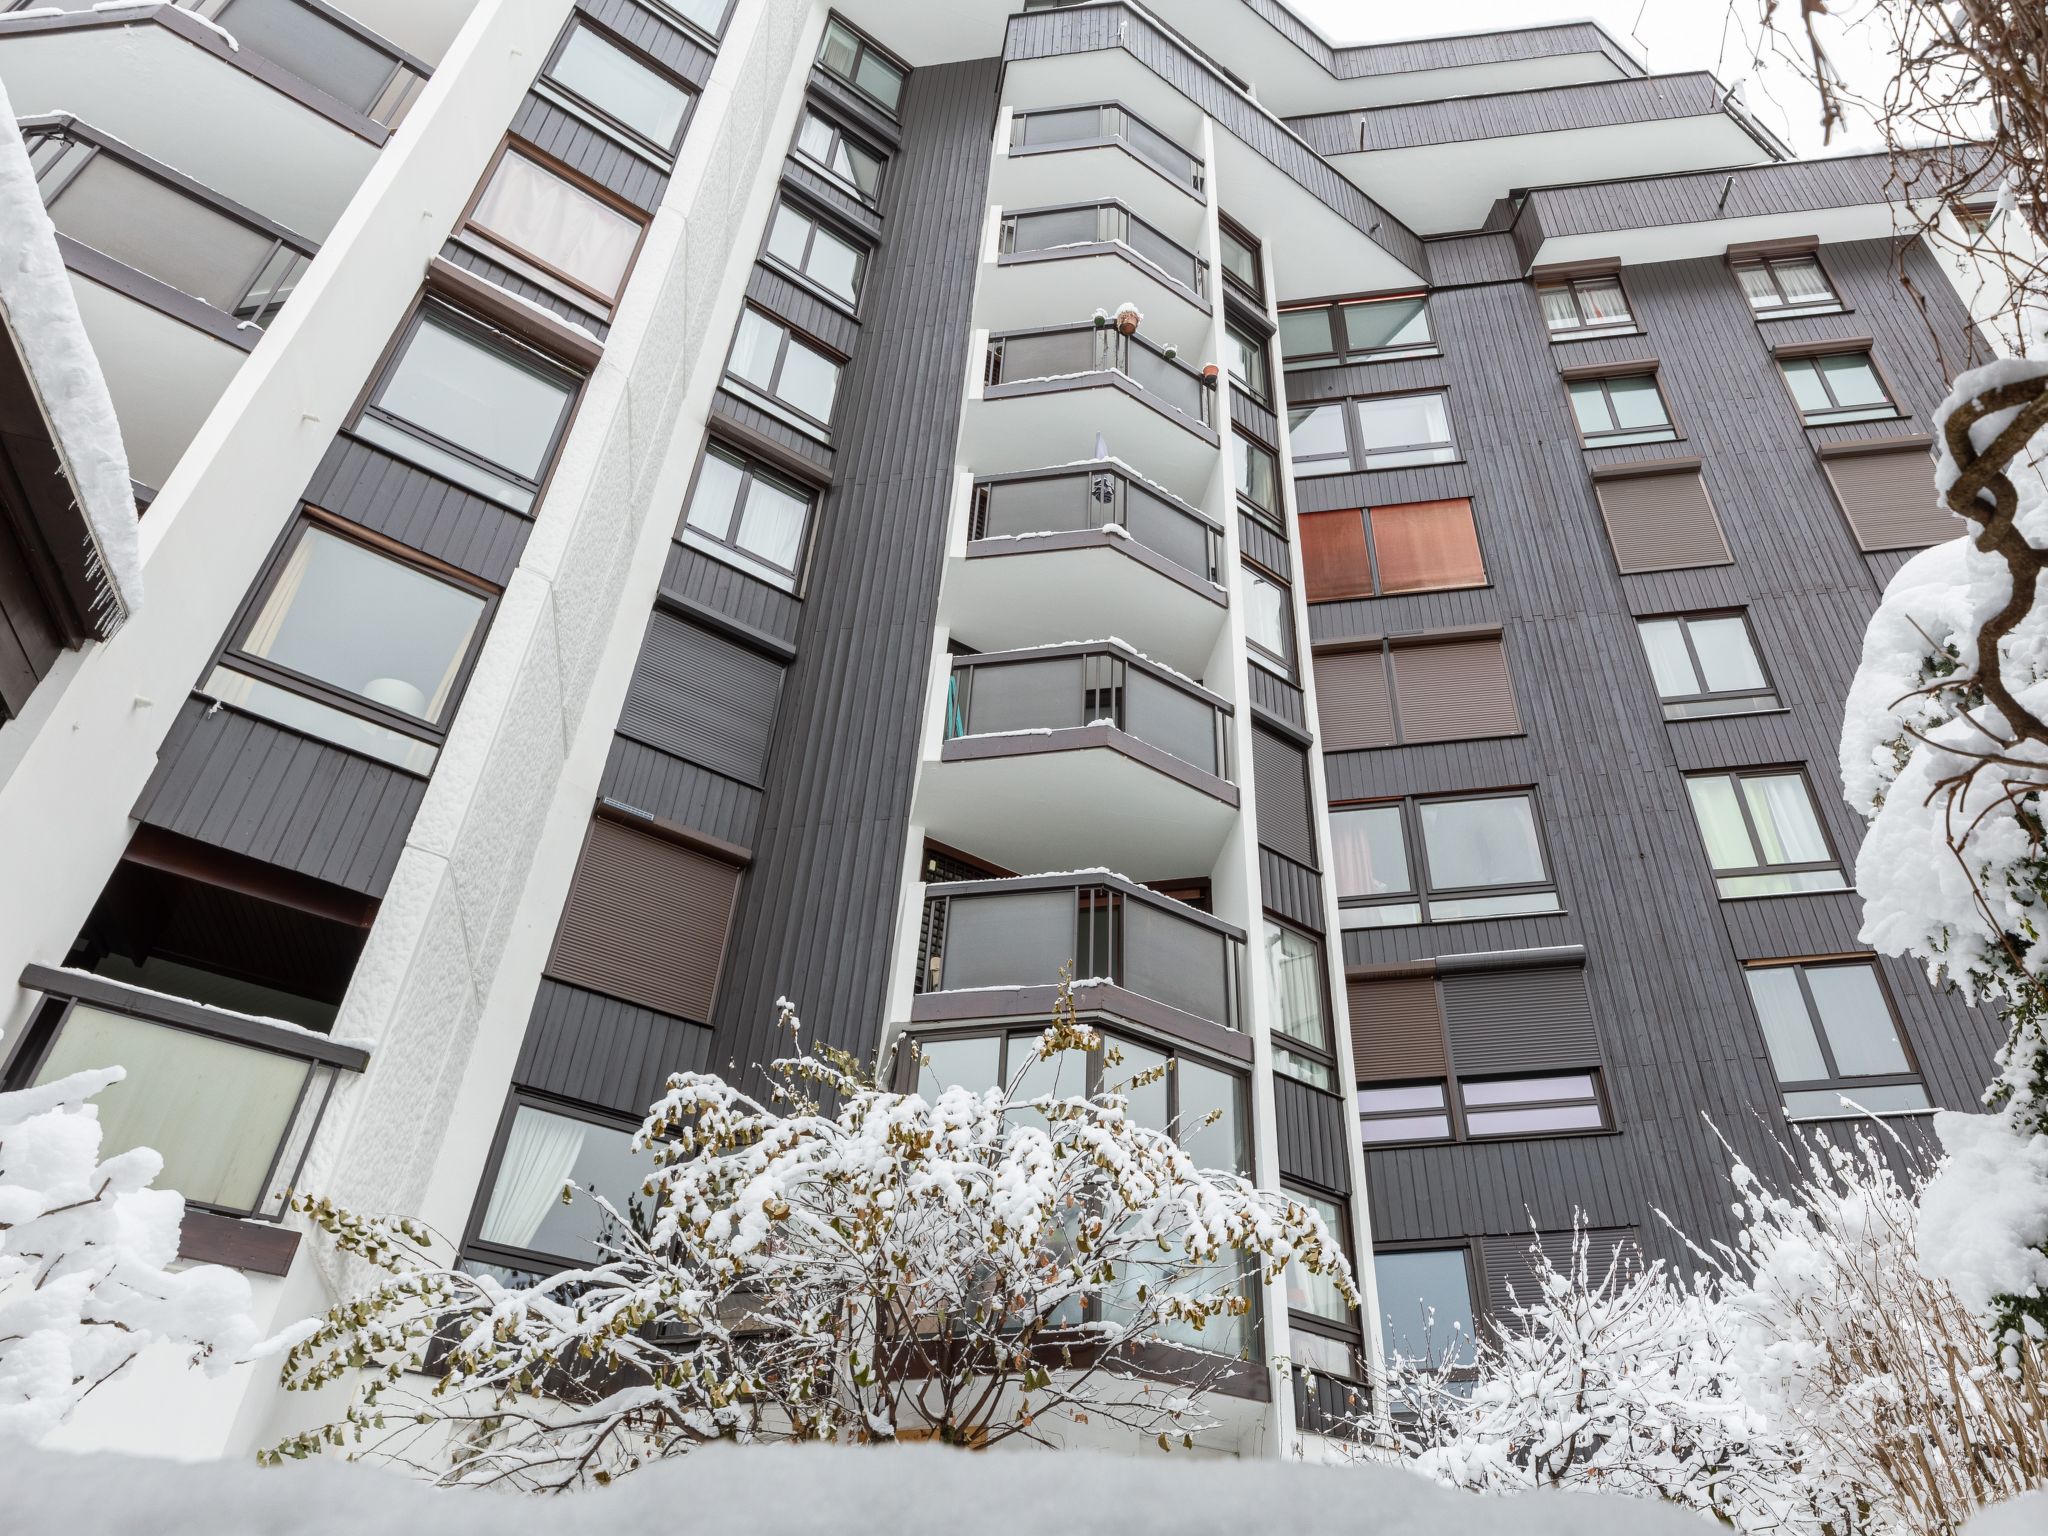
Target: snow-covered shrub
{"x":841,"y":1263}
{"x":85,"y":1250}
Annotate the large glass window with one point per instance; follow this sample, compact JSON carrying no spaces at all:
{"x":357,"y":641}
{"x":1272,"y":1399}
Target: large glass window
{"x":1762,"y":834}
{"x":622,"y":86}
{"x":1240,"y":255}
{"x":1481,"y":856}
{"x":1705,"y":664}
{"x":1324,"y":1326}
{"x":544,"y":1151}
{"x":768,"y":356}
{"x":1366,"y":331}
{"x":1269,"y":618}
{"x":1531,"y":1106}
{"x":1617,"y":411}
{"x":1585,"y":304}
{"x":545,"y":217}
{"x":1836,"y":387}
{"x":1403,"y":1112}
{"x":1425,"y":1299}
{"x":472,"y":407}
{"x":1294,"y":966}
{"x":1258,"y":476}
{"x":828,"y":146}
{"x":1247,"y":358}
{"x":845,"y":53}
{"x":1417,"y":546}
{"x":752,"y":517}
{"x":1832,"y":1036}
{"x":1777,"y":285}
{"x":807,"y":247}
{"x":1385,"y":432}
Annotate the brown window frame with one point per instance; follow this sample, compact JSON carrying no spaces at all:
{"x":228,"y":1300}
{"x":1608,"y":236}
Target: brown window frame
{"x":1284,"y":663}
{"x":1251,"y":341}
{"x":863,"y":47}
{"x":1357,"y":458}
{"x":1420,"y":893}
{"x":1353,"y":1333}
{"x":727,"y":550}
{"x":1746,"y":872}
{"x":1475,"y":1295}
{"x":1837,"y":1081}
{"x":1230,"y":230}
{"x":1251,"y":449}
{"x":1340,"y":350}
{"x":1388,"y":646}
{"x":841,"y":134}
{"x":1787,"y":307}
{"x":1457,"y":1112}
{"x":1282,"y":1043}
{"x":1620,"y":436}
{"x":1837,"y":415}
{"x":662,"y":154}
{"x":1766,"y":698}
{"x":1572,"y":285}
{"x":501,"y":1255}
{"x":757,"y":394}
{"x":862,"y":250}
{"x":581,"y":294}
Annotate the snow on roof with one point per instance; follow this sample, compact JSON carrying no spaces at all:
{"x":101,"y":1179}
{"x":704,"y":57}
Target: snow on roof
{"x":40,"y":314}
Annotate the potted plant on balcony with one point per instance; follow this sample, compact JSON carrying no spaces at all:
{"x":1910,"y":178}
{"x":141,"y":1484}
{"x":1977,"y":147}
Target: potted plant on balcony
{"x":1128,"y":315}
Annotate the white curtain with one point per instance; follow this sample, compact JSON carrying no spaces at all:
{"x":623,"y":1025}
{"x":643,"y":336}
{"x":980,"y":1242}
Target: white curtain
{"x":538,"y":1158}
{"x":539,"y":213}
{"x":270,"y":622}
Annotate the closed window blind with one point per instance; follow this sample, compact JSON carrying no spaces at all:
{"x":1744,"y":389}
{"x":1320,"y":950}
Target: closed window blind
{"x":646,"y":921}
{"x":1522,"y":1019}
{"x":1280,"y":773}
{"x":1661,"y":522}
{"x":1453,"y":690}
{"x":1889,"y":500}
{"x":1353,"y":703}
{"x":700,"y":697}
{"x":1397,"y":1028}
{"x":1334,"y":560}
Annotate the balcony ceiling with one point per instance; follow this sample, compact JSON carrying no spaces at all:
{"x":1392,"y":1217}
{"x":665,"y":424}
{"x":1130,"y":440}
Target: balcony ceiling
{"x":1016,"y":295}
{"x":1059,"y":426}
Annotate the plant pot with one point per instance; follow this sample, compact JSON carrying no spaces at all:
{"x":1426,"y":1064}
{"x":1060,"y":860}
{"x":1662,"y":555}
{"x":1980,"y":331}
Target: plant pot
{"x":1127,"y":324}
{"x":1209,"y":374}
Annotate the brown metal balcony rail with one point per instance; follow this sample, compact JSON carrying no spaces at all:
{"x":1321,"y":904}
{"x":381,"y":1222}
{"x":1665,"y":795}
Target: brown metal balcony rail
{"x":162,"y":224}
{"x":1058,"y":352}
{"x":1072,"y":500}
{"x":1106,"y":122}
{"x":1065,"y":687}
{"x":1019,"y":933}
{"x":325,"y":47}
{"x":1110,"y":223}
{"x":230,"y":1102}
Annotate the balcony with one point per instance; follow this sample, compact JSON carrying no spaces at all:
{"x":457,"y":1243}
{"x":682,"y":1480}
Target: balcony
{"x":1049,"y":553}
{"x":1052,"y":262}
{"x":285,"y":122}
{"x":174,"y":281}
{"x":1081,"y":754}
{"x":1051,"y":393}
{"x":1105,"y":151}
{"x":994,"y":949}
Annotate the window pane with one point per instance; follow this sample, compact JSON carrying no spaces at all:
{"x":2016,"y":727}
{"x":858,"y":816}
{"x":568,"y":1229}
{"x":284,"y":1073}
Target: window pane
{"x":1305,"y":332}
{"x":542,"y":1153}
{"x":1240,"y":260}
{"x":880,"y":79}
{"x":1374,"y":1101}
{"x":1203,"y":1091}
{"x":1852,"y":379}
{"x":1466,"y":907}
{"x":474,"y":396}
{"x":1256,"y":471}
{"x":1318,"y":1294}
{"x":325,"y":722}
{"x":1803,"y":281}
{"x":1534,"y":1120}
{"x":1427,"y":545}
{"x":1425,"y":1302}
{"x":1589,"y":404}
{"x":1857,"y":1020}
{"x":1721,"y":827}
{"x":711,"y":504}
{"x":1781,"y":883}
{"x":1788,"y":1033}
{"x":1637,"y":403}
{"x":1406,"y":1128}
{"x":614,"y":80}
{"x":1370,"y":852}
{"x":1266,"y":617}
{"x":366,"y":624}
{"x":1528,"y":1090}
{"x":1726,"y":656}
{"x":839,"y":50}
{"x":1785,"y":822}
{"x":1807,"y":389}
{"x":835,"y":265}
{"x":543,"y":215}
{"x":859,"y":167}
{"x":1403,"y":421}
{"x":1602,"y":303}
{"x":1481,"y":842}
{"x":772,"y":523}
{"x":1560,"y":312}
{"x":1317,"y":431}
{"x":789,"y":237}
{"x":1670,"y":665}
{"x":1294,"y":966}
{"x":975,"y":1063}
{"x":815,"y":138}
{"x":1758,"y":287}
{"x":1316,"y":1074}
{"x":754,"y":349}
{"x":1388,"y":323}
{"x":810,"y":381}
{"x":1247,"y":360}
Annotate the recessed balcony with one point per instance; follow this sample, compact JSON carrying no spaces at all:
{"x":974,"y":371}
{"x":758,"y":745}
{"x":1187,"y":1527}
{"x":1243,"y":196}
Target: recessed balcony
{"x":1055,"y":262}
{"x":1081,"y":754}
{"x":993,"y":949}
{"x":1104,"y":152}
{"x":1051,"y":393}
{"x":1062,"y":550}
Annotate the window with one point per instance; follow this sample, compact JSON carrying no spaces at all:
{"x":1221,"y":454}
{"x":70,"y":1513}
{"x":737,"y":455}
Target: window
{"x":1529,"y":1106}
{"x":536,"y":213}
{"x":1416,"y":546}
{"x":354,"y":647}
{"x":1426,"y":689}
{"x":706,"y":14}
{"x":621,"y":86}
{"x":1887,"y":498}
{"x":825,"y":144}
{"x":1832,"y":1035}
{"x":1616,"y":411}
{"x":1294,"y":965}
{"x":1240,"y":256}
{"x":1385,"y":432}
{"x":1425,"y":1300}
{"x":1258,"y":475}
{"x":1247,"y":358}
{"x":1584,"y":304}
{"x":1482,"y":856}
{"x":1323,"y":1327}
{"x":471,"y":407}
{"x":1365,"y":331}
{"x":1705,"y":664}
{"x":767,"y":356}
{"x":862,"y":65}
{"x":1776,"y":285}
{"x":1403,"y":1112}
{"x":748,"y":516}
{"x":526,"y":1226}
{"x":1762,"y":835}
{"x":1659,"y":520}
{"x":806,"y":247}
{"x":1836,"y":386}
{"x":1269,"y":618}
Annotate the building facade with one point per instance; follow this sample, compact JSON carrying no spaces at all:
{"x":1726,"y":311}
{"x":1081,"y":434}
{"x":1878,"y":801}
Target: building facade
{"x":657,"y":505}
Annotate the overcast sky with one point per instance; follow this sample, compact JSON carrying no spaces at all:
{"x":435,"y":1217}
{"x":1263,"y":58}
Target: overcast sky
{"x":1671,"y":36}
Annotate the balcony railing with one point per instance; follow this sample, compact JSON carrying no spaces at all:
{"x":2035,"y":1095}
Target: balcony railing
{"x":1106,"y":123}
{"x":1075,"y":500}
{"x":230,"y":1102}
{"x":1064,"y":352}
{"x":1020,"y":933}
{"x":1066,"y":687}
{"x":323,"y":46}
{"x":162,"y":224}
{"x":1090,"y":224}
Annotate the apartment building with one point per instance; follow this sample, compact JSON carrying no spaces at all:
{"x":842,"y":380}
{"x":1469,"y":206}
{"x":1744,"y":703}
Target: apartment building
{"x":656,"y":505}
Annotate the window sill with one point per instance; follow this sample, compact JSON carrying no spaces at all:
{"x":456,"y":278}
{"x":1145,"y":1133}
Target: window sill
{"x":1733,"y":714}
{"x":1358,"y":360}
{"x":1658,"y":442}
{"x":1859,"y":421}
{"x":1595,"y":334}
{"x":1863,"y":1114}
{"x":1465,"y":922}
{"x":1379,"y":469}
{"x":1384,"y":597}
{"x":1371,"y":1147}
{"x":1846,"y":890}
{"x":259,"y":1247}
{"x":1801,"y":314}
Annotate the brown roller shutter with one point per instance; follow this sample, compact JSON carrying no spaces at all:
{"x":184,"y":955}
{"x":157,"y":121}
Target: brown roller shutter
{"x":1397,"y":1029}
{"x":646,"y":921}
{"x":1352,"y":703}
{"x":1890,"y":501}
{"x":1280,"y":780}
{"x":1661,"y":522}
{"x":1536,"y":1019}
{"x":1334,"y":561}
{"x":1453,"y":690}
